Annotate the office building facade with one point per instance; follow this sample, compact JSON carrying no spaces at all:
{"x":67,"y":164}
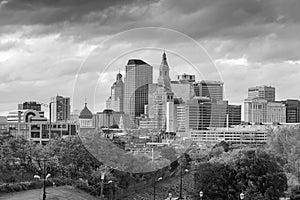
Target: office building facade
{"x":116,"y":99}
{"x":21,"y":116}
{"x":276,"y":112}
{"x":30,"y":105}
{"x":211,"y":89}
{"x":292,"y":110}
{"x":183,"y":78}
{"x":263,"y":92}
{"x":60,"y":109}
{"x":137,"y":79}
{"x":255,"y":110}
{"x":234,"y":114}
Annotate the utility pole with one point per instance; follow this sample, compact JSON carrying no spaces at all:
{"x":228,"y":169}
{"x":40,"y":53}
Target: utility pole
{"x":298,"y":171}
{"x":180,"y":191}
{"x":44,"y":177}
{"x":154,"y":188}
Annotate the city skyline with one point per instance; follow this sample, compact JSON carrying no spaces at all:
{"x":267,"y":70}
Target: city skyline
{"x":40,"y":54}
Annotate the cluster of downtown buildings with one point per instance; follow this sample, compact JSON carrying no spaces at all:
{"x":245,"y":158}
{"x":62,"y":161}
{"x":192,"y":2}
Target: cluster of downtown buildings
{"x":186,"y":108}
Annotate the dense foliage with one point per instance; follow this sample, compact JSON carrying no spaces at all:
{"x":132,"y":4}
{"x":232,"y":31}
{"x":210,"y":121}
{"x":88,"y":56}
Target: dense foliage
{"x":285,"y":143}
{"x":254,"y":172}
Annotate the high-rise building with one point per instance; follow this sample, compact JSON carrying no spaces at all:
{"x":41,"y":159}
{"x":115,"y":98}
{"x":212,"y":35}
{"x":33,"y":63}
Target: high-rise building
{"x":163,"y":96}
{"x":211,"y":89}
{"x":264,"y":92}
{"x":116,"y":99}
{"x":60,"y":109}
{"x":138,"y":76}
{"x":292,"y":110}
{"x":30,"y":105}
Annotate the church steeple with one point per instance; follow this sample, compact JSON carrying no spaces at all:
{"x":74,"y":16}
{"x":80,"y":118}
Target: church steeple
{"x":164,"y":77}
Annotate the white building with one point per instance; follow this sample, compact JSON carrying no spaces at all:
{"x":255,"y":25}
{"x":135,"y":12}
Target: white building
{"x":25,"y":116}
{"x":237,"y":135}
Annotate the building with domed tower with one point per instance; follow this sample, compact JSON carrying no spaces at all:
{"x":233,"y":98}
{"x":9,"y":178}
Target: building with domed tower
{"x":86,"y":118}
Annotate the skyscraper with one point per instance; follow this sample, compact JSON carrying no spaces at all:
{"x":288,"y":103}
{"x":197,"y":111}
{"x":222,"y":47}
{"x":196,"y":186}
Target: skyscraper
{"x":60,"y":109}
{"x":163,"y":97}
{"x":116,"y":99}
{"x":138,"y":76}
{"x":264,"y":92}
{"x":211,"y":89}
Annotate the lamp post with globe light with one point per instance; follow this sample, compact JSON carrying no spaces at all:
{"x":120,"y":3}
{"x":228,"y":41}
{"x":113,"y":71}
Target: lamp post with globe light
{"x":45,"y":177}
{"x":181,"y":174}
{"x":201,"y":195}
{"x":154,"y":181}
{"x":242,"y":196}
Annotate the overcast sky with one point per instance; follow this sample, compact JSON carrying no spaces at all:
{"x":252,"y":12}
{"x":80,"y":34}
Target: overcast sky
{"x":75,"y":47}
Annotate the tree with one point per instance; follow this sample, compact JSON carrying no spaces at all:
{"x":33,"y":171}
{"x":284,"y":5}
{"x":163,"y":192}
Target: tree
{"x":285,"y":143}
{"x":169,"y":153}
{"x":253,"y":171}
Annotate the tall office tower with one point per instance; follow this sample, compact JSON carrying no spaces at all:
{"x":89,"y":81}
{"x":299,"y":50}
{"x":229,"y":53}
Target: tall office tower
{"x":264,"y":92}
{"x":116,"y":99}
{"x":211,"y":89}
{"x":234,"y":114}
{"x":292,"y":110}
{"x":255,"y":110}
{"x":276,"y":112}
{"x":137,"y":79}
{"x":60,"y":109}
{"x":163,"y":96}
{"x":30,"y":105}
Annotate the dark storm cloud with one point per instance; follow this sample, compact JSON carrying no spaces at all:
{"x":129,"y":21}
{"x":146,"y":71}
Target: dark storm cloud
{"x":30,"y":12}
{"x":197,"y":18}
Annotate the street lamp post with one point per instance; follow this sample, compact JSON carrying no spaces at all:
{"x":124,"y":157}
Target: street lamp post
{"x":242,"y":196}
{"x":170,"y":196}
{"x":180,"y":189}
{"x":201,"y":195}
{"x":154,"y":181}
{"x":102,"y":184}
{"x":45,"y":177}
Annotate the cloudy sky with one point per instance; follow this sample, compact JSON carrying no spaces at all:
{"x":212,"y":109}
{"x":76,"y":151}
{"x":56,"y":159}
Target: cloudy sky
{"x":75,"y":47}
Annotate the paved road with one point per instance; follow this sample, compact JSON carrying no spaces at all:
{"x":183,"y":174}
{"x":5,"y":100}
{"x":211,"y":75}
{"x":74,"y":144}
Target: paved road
{"x":53,"y":193}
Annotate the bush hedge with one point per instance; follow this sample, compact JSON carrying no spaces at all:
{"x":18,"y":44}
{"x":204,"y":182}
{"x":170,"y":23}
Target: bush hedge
{"x":22,"y":186}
